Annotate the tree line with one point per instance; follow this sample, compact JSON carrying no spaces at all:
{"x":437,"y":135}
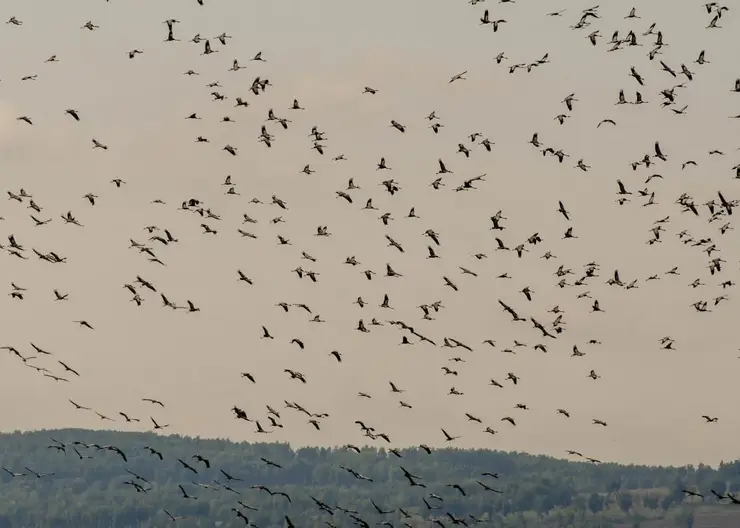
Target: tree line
{"x":86,"y":484}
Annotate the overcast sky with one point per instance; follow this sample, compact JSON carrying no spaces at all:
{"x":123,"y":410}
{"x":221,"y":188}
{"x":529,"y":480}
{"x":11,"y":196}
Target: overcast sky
{"x":324,"y":53}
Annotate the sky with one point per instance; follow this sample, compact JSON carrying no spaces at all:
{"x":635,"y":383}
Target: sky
{"x":324,"y":55}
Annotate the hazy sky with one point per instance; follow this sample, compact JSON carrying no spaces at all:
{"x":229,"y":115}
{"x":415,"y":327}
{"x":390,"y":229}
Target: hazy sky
{"x":324,"y":53}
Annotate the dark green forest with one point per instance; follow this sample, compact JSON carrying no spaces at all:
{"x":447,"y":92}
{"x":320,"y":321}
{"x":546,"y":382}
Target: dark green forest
{"x":48,"y":480}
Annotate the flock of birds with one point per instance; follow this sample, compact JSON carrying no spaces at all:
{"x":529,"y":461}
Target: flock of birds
{"x":545,"y":331}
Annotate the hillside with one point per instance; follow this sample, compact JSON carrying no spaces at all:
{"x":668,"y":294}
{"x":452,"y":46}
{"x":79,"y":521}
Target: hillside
{"x":83,"y":486}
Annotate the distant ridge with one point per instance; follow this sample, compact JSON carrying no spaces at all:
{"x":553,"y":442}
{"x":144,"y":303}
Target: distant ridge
{"x":93,"y":491}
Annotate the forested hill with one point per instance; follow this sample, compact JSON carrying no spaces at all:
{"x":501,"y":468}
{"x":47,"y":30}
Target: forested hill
{"x":84,"y":485}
